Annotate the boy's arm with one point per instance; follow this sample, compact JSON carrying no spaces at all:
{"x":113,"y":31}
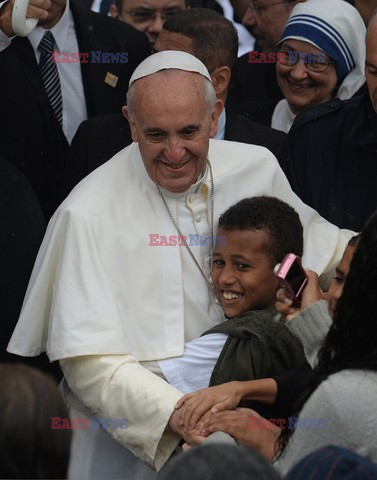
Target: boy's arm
{"x":227,"y":396}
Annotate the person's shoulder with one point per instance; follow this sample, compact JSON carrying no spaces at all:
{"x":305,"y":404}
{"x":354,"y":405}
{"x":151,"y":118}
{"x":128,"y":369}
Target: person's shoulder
{"x":256,"y":130}
{"x":100,"y":186}
{"x":341,"y":395}
{"x":349,"y":379}
{"x":228,"y":157}
{"x":349,"y":389}
{"x":326,"y":112}
{"x":107,"y":122}
{"x":225,"y":147}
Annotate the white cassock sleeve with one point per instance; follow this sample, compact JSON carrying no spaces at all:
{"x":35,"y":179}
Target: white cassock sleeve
{"x":118,"y":387}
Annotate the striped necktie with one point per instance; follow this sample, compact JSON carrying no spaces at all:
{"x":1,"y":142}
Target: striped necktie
{"x":50,"y":75}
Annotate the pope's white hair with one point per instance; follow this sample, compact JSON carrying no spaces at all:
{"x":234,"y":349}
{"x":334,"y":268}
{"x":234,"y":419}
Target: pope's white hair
{"x":209,"y":95}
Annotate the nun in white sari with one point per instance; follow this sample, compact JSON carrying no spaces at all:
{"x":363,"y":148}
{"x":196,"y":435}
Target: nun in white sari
{"x":322,"y":55}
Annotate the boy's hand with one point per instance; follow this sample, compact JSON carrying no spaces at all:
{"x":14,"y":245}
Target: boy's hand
{"x":311,"y":294}
{"x":194,"y":406}
{"x":240,"y":424}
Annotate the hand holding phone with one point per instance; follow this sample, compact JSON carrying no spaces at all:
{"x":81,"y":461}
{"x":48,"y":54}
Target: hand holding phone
{"x":292,"y":277}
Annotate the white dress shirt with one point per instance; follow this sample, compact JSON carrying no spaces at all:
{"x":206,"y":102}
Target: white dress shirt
{"x":74,"y":105}
{"x":221,"y":126}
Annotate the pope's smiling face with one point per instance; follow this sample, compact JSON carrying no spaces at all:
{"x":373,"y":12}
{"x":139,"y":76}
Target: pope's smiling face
{"x":172,"y":123}
{"x":243,"y":272}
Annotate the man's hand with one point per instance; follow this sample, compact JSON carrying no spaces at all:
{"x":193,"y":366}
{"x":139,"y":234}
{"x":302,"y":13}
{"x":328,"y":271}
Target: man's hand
{"x":194,"y":406}
{"x":36,"y":9}
{"x":192,"y":437}
{"x":311,"y":294}
{"x":247,"y":427}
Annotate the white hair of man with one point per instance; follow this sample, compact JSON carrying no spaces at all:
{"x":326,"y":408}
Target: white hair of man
{"x":170,"y":60}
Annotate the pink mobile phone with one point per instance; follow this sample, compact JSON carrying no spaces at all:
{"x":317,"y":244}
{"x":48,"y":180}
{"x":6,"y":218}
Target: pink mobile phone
{"x":292,"y":277}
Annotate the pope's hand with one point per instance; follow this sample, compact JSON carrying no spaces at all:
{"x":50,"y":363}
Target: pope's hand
{"x":194,"y":406}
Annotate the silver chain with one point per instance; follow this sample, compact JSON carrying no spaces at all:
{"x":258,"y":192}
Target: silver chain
{"x":212,"y":208}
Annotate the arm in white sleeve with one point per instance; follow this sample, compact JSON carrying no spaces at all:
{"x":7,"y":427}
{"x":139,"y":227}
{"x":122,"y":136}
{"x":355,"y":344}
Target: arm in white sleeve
{"x":311,"y":327}
{"x":117,"y":387}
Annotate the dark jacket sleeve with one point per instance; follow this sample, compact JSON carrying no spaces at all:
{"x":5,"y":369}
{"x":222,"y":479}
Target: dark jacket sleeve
{"x":258,"y":347}
{"x":21,"y":233}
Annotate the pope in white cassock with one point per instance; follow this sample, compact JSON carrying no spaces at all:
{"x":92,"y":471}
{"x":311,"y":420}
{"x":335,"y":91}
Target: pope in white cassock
{"x":104,"y":300}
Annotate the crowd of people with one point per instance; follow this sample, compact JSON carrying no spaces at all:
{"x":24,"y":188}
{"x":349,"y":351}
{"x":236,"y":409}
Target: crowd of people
{"x":123,"y":360}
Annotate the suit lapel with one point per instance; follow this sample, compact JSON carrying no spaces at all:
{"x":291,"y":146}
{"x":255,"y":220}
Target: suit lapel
{"x":99,"y":94}
{"x":29,"y":67}
{"x":234,"y":129}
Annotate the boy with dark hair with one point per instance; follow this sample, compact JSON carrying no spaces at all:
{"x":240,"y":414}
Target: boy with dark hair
{"x":256,"y":234}
{"x":253,"y":232}
{"x":310,"y":323}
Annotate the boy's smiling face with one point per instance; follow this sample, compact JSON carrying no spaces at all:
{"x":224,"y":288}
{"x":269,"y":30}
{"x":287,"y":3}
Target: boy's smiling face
{"x":243,"y":272}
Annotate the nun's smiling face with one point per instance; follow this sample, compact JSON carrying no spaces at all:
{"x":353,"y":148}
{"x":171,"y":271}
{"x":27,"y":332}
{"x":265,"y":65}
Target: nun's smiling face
{"x":305,"y":83}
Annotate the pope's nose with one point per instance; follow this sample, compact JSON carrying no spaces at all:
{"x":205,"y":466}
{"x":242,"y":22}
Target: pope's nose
{"x":174,"y":154}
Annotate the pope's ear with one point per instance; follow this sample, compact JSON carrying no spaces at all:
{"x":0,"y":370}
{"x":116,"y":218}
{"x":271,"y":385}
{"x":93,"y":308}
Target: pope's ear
{"x":126,"y":113}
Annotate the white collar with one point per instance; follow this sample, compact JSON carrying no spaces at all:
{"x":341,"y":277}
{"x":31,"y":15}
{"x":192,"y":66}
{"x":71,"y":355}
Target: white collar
{"x":59,"y":31}
{"x":221,"y":126}
{"x":283,"y":117}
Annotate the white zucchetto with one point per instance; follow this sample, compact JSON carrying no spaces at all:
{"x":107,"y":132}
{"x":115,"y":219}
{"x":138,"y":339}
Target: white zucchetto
{"x":169,"y":59}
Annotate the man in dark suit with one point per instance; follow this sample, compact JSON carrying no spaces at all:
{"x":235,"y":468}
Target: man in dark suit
{"x":254,"y":82}
{"x":31,"y":135}
{"x":147,"y":16}
{"x":21,"y":233}
{"x":211,"y":38}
